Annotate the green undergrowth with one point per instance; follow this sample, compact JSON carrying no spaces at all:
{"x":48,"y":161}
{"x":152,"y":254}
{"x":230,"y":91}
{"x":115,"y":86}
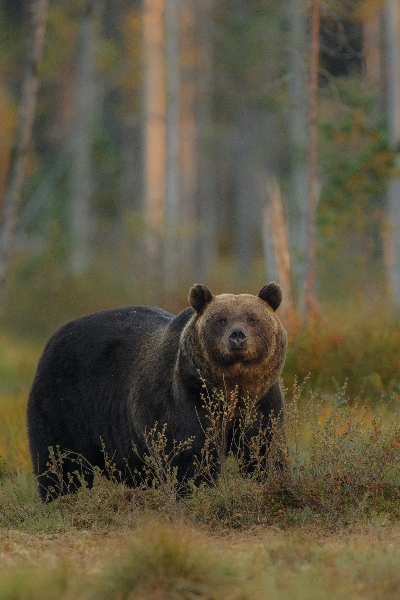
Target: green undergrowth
{"x":342,"y":466}
{"x":341,"y":471}
{"x":359,"y":344}
{"x":339,"y":465}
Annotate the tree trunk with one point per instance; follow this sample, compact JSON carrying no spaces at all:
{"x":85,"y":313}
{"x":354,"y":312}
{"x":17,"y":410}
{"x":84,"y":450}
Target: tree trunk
{"x":245,"y":152}
{"x":206,"y":248}
{"x":276,"y":248}
{"x":171,"y":258}
{"x":23,"y":135}
{"x":312,"y":162}
{"x":298,"y":123}
{"x":245,"y":200}
{"x":392,"y":34}
{"x":372,"y":49}
{"x":188,"y":144}
{"x":154,"y":135}
{"x":81,"y":223}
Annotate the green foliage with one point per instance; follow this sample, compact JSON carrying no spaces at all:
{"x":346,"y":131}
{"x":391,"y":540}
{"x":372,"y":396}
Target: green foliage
{"x":356,"y":162}
{"x":339,"y":464}
{"x":174,"y":562}
{"x":248,"y":40}
{"x":356,"y":169}
{"x":37,"y":304}
{"x":350,"y":8}
{"x":35,"y":584}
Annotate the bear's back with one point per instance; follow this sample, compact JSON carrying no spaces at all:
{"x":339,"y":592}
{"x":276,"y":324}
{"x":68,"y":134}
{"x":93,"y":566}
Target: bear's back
{"x":107,"y":341}
{"x":129,"y":324}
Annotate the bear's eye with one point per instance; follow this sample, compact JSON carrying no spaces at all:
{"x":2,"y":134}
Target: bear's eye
{"x":251,"y":321}
{"x":222,"y":321}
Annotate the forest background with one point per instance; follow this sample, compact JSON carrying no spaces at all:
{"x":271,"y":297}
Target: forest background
{"x":229,"y":142}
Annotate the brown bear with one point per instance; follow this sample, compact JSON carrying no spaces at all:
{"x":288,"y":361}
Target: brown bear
{"x":104,"y":380}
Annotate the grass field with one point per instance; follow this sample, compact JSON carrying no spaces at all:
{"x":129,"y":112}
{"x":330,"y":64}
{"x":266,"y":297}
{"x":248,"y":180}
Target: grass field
{"x":330,"y":529}
{"x":155,"y":560}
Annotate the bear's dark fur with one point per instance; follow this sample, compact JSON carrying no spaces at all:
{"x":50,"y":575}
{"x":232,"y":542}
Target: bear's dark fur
{"x":105,"y":379}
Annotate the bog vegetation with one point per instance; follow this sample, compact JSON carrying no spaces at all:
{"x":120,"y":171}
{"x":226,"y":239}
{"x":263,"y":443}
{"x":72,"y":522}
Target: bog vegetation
{"x":338,"y":470}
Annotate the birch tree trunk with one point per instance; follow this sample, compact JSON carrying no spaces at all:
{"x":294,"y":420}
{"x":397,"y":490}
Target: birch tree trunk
{"x":23,"y":135}
{"x":392,"y":34}
{"x":299,"y":127}
{"x":312,"y":162}
{"x":205,"y":198}
{"x":154,"y":133}
{"x":244,"y":201}
{"x":81,"y":224}
{"x":198,"y":211}
{"x":188,"y":143}
{"x":171,"y":257}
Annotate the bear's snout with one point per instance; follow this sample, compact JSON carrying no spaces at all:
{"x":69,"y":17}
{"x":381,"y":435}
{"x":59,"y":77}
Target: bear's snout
{"x":237,"y":337}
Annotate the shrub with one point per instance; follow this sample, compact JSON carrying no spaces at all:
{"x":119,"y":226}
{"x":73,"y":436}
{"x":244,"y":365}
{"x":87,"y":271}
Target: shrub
{"x":359,"y":345}
{"x":342,"y":465}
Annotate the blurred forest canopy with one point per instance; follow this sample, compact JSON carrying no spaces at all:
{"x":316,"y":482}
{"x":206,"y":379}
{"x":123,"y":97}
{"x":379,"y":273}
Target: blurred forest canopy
{"x":163,"y":125}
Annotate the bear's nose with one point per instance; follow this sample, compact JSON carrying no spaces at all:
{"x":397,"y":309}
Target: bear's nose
{"x":237,"y":337}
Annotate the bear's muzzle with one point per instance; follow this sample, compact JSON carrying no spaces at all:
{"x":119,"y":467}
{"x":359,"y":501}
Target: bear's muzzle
{"x":237,"y":338}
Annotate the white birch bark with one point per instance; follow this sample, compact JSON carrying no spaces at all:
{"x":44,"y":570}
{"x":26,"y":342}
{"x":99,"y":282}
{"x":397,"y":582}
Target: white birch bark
{"x":205,"y":257}
{"x":81,"y":182}
{"x":299,"y":127}
{"x":312,"y":162}
{"x":171,"y":258}
{"x":188,"y":152}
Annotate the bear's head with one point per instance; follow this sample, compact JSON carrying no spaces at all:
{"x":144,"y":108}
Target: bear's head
{"x":238,"y":340}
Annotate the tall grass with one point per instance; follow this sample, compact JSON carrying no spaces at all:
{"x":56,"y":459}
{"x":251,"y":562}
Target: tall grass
{"x":17,"y":366}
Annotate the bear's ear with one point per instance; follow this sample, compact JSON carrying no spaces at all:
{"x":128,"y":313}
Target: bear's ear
{"x":272,"y":294}
{"x":199,"y":296}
